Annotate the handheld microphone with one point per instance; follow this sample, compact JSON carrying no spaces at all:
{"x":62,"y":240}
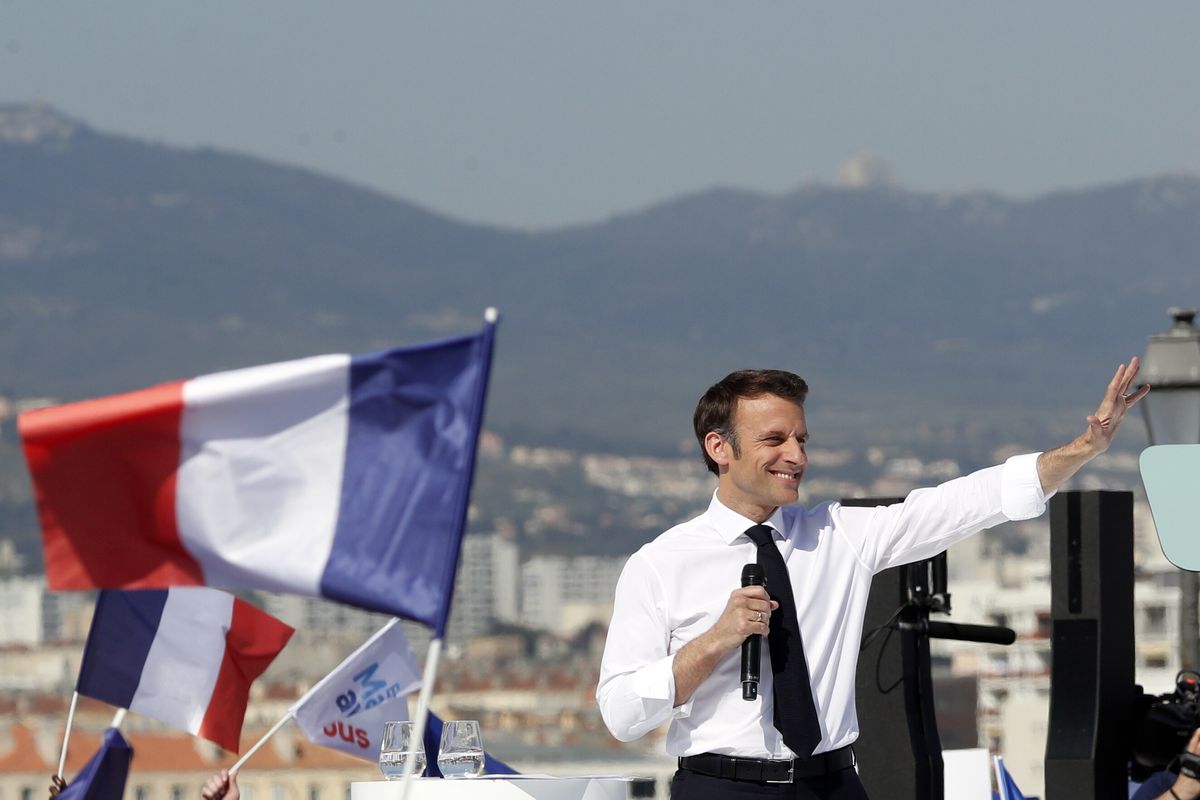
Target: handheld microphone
{"x":752,"y":575}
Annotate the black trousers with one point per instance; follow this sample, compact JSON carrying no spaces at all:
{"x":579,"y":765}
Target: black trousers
{"x":841,"y":785}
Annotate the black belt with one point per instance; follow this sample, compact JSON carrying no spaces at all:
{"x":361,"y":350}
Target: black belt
{"x":762,"y":770}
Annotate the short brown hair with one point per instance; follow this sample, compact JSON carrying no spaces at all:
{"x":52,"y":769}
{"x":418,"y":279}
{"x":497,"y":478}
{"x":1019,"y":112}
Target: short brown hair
{"x":714,"y":412}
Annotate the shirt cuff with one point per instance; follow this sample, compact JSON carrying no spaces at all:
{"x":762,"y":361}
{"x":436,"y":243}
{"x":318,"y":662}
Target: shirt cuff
{"x":655,"y":684}
{"x":1021,"y":495}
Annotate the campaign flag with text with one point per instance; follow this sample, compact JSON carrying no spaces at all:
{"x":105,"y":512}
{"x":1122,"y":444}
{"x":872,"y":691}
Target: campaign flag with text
{"x":103,"y":776}
{"x":346,"y":710}
{"x":343,"y":477}
{"x":184,"y":656}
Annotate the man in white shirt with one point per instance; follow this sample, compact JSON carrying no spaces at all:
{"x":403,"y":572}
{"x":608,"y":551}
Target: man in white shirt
{"x":678,"y":622}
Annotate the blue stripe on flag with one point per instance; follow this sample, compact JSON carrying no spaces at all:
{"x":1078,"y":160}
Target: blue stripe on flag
{"x":123,"y":628}
{"x":410,"y":449}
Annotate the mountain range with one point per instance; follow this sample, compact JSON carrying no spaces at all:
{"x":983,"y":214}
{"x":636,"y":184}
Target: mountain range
{"x":966,"y":319}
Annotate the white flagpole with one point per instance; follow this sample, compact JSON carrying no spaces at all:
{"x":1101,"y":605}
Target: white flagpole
{"x":422,"y":715}
{"x":274,"y":730}
{"x":118,"y":718}
{"x":62,"y":758}
{"x":490,"y":317}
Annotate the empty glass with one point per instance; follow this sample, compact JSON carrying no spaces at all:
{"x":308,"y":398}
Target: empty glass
{"x":461,"y":752}
{"x":399,"y":739}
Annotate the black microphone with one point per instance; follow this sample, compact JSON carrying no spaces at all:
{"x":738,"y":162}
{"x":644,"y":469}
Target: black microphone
{"x":752,"y":575}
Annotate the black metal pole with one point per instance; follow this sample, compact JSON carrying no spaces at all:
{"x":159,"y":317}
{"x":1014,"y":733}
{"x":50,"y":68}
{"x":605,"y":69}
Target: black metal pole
{"x":918,"y":704}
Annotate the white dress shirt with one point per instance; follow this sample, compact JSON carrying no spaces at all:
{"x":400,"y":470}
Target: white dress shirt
{"x":675,"y":587}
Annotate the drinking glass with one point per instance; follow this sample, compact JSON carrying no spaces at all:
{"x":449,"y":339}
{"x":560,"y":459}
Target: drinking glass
{"x":461,"y":752}
{"x":399,"y":739}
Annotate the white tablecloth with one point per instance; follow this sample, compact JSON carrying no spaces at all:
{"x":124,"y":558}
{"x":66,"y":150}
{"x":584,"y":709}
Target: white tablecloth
{"x":496,"y":789}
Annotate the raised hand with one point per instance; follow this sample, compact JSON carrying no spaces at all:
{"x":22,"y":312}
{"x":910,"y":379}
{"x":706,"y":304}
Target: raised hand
{"x":1118,"y":399}
{"x":1056,"y":466}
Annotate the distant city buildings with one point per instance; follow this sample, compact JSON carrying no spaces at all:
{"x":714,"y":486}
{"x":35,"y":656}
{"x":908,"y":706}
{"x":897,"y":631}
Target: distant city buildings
{"x":566,"y":594}
{"x":31,"y":615}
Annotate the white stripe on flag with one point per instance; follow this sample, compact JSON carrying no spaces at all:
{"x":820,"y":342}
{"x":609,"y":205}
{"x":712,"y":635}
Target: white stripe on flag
{"x":185,"y":658}
{"x":260,"y":477}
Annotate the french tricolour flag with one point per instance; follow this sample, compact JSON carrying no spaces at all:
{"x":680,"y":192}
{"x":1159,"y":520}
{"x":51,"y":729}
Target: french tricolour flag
{"x":184,"y":656}
{"x":345,"y":477}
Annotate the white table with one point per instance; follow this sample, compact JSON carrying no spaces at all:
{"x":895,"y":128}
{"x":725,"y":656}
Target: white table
{"x":514,"y":788}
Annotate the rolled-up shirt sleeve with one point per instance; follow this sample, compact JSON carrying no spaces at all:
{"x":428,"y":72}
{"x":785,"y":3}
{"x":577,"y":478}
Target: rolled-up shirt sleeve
{"x":636,"y":692}
{"x":1021,"y":494}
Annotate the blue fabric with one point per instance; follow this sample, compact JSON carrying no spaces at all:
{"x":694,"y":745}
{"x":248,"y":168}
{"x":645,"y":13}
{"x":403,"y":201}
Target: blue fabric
{"x":103,"y":776}
{"x":1009,"y":789}
{"x":415,"y":415}
{"x":124,"y":625}
{"x":433,"y":740}
{"x":1157,"y":784}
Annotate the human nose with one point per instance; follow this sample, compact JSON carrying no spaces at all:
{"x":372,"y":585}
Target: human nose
{"x":794,"y":452}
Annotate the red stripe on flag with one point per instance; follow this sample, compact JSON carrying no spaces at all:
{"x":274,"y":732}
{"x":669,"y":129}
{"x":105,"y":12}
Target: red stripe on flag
{"x":251,"y":644}
{"x":104,"y":477}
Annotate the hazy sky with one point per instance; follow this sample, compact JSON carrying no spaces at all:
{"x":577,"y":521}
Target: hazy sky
{"x":545,"y":112}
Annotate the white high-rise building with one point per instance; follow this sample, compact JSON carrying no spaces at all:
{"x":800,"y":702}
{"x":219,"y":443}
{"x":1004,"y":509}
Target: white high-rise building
{"x":487,"y":589}
{"x":563,"y":594}
{"x":506,"y":579}
{"x":471,"y":611}
{"x":21,"y":610}
{"x":30,"y":614}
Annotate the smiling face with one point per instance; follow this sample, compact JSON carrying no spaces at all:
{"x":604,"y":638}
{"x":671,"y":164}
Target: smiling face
{"x":760,"y":467}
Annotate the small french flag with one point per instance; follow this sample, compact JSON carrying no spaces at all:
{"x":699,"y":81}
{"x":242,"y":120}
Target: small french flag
{"x":184,"y":656}
{"x":338,"y":476}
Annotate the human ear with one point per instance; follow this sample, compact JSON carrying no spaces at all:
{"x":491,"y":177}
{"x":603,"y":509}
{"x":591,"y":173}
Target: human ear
{"x":717,"y":448}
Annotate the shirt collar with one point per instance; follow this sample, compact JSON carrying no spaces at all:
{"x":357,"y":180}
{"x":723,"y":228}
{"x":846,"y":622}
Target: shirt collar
{"x":730,"y":525}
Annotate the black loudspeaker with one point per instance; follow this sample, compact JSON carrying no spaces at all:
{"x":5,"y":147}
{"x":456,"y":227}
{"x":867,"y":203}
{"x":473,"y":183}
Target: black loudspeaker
{"x":1092,"y":693}
{"x":894,"y":759}
{"x":899,"y":747}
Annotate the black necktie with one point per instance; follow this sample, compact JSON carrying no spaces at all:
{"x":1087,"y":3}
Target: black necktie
{"x":795,"y":713}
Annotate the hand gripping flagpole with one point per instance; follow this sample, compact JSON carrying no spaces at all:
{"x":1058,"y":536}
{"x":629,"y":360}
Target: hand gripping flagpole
{"x":490,"y":318}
